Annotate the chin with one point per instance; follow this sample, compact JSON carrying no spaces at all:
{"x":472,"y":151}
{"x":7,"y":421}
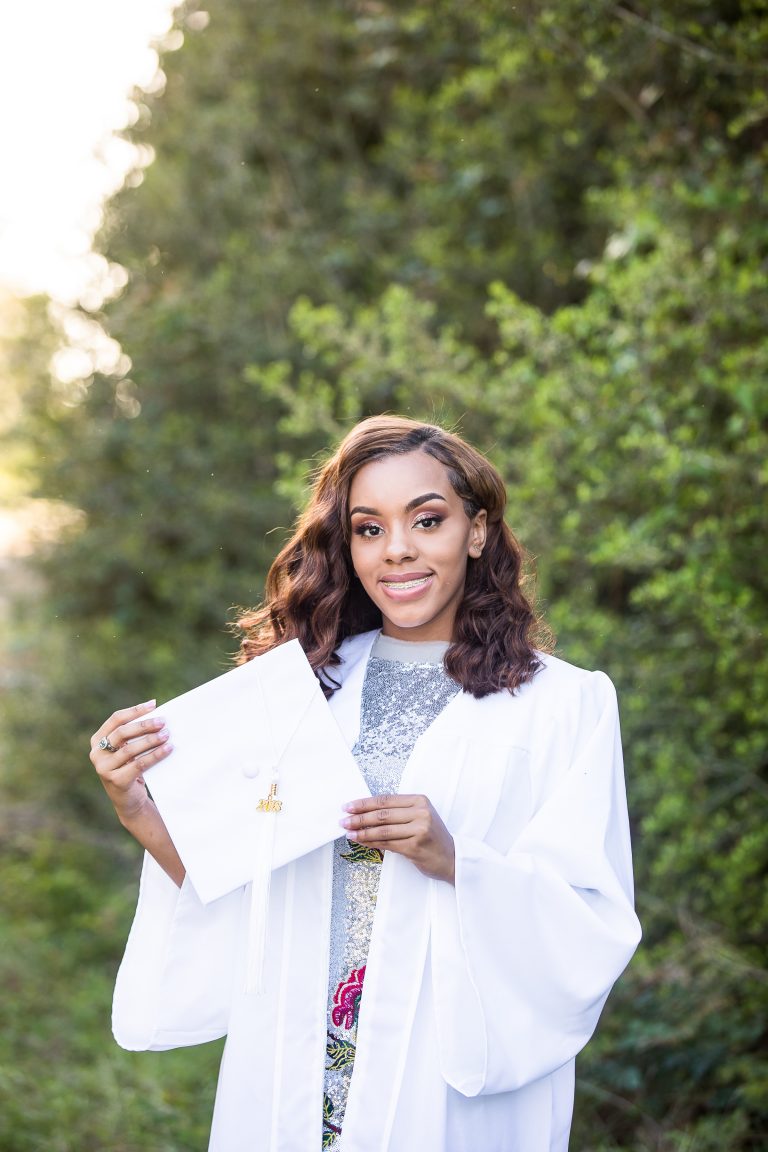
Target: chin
{"x":417,"y":630}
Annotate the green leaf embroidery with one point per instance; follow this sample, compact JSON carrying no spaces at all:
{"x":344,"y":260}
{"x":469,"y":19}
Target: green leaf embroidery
{"x":341,"y":1053}
{"x":360,"y":854}
{"x":329,"y":1130}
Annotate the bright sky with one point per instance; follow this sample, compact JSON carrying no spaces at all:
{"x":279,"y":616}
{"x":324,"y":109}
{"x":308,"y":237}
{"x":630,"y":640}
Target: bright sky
{"x":66,"y":68}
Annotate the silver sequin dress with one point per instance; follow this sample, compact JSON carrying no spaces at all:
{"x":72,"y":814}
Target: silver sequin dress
{"x":405,"y":688}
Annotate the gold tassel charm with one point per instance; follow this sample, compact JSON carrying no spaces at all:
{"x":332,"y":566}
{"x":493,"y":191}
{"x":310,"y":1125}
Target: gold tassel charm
{"x":271,"y":803}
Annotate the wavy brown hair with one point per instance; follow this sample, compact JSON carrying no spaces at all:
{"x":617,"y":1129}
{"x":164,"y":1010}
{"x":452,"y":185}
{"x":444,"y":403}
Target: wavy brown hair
{"x":311,"y":593}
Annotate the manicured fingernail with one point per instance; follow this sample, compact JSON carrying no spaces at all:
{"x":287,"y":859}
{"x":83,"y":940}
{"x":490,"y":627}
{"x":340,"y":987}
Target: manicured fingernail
{"x":346,"y":823}
{"x":148,"y":704}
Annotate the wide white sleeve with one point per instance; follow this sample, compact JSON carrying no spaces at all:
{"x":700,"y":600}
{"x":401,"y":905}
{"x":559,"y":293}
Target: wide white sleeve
{"x":174,"y":984}
{"x":526,"y":948}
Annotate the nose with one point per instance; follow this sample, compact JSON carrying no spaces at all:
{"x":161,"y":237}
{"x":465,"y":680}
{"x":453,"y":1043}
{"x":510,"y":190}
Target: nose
{"x":400,"y":546}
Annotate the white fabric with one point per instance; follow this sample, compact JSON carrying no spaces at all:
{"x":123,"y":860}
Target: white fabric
{"x":476,"y":998}
{"x":232,"y":737}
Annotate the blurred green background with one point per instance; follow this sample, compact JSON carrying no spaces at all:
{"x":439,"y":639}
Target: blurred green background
{"x":542,"y":223}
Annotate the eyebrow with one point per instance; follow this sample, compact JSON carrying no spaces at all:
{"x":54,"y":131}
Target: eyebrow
{"x":415,"y":503}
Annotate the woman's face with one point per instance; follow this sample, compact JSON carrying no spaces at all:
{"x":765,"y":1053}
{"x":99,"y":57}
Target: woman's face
{"x":411,"y":539}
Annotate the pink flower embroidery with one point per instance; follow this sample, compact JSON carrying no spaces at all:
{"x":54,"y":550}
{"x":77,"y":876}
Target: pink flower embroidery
{"x":346,"y":999}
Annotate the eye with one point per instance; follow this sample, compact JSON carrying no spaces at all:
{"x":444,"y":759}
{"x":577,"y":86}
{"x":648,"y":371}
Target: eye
{"x":430,"y":520}
{"x":370,"y":531}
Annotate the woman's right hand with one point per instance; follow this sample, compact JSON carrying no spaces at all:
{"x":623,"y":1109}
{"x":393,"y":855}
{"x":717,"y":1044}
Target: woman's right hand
{"x":122,"y":749}
{"x":125,"y":745}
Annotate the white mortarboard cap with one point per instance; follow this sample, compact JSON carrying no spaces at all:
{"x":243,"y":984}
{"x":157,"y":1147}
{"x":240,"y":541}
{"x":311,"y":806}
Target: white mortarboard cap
{"x":257,"y":777}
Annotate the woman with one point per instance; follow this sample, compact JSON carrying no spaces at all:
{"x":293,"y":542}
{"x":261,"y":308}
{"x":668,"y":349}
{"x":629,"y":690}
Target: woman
{"x":432,"y":975}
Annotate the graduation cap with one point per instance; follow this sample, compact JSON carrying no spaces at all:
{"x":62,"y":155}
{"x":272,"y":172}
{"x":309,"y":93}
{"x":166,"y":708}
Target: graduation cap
{"x":258,"y":776}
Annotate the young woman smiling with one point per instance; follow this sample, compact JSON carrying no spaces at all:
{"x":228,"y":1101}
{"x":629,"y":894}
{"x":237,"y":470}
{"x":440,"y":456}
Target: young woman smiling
{"x":411,"y":542}
{"x":466,"y":928}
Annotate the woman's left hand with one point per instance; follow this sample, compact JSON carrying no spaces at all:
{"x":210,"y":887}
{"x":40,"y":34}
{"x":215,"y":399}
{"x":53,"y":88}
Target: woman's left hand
{"x":405,"y":824}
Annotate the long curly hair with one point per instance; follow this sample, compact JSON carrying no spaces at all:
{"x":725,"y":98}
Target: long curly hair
{"x":311,"y":593}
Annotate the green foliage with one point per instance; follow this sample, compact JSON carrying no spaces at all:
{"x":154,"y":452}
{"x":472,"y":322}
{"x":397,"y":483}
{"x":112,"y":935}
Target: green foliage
{"x":544,"y":224}
{"x":64,"y":1084}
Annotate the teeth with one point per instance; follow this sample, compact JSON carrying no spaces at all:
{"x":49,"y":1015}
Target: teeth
{"x":405,"y":583}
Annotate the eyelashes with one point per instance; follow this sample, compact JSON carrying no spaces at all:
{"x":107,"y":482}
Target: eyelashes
{"x":371,"y":531}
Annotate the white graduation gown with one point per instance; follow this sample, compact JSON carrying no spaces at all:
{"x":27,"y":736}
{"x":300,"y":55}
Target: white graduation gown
{"x":477,"y":997}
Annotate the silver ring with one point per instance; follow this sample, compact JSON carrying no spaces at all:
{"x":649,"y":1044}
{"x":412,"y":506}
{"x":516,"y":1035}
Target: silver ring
{"x":107,"y":745}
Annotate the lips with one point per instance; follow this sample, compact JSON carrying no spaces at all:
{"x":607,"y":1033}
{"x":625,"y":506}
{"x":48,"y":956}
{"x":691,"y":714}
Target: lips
{"x":406,"y":586}
{"x":407,"y":580}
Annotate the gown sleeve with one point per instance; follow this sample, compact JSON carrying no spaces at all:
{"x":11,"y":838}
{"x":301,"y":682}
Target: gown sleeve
{"x":527,"y":945}
{"x":175,"y":982}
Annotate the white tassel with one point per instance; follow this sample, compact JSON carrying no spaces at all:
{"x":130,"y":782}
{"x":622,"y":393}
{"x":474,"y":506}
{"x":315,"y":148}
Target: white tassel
{"x":264,"y":841}
{"x":260,"y":886}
